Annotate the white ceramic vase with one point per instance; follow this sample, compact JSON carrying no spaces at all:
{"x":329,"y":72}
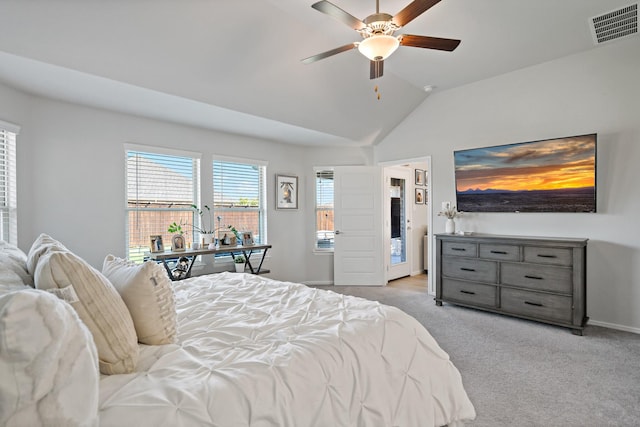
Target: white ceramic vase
{"x":450,"y":226}
{"x":239,"y":267}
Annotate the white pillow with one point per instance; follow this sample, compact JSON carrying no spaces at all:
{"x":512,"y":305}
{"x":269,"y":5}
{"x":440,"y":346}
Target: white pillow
{"x":42,"y":245}
{"x":99,"y":306}
{"x":12,"y":258}
{"x":48,"y":363}
{"x":146,"y":290}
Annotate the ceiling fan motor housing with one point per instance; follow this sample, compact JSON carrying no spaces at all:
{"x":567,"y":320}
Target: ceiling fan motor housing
{"x":378,"y":24}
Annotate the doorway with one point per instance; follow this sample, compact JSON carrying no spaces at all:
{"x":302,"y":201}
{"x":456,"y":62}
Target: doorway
{"x":407,"y":210}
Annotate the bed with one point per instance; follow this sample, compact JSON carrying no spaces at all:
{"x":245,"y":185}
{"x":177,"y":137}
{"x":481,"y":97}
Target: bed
{"x":252,"y":351}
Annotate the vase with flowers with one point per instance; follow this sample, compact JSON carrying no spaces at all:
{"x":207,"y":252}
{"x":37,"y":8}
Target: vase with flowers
{"x":205,"y":228}
{"x":451,"y":213}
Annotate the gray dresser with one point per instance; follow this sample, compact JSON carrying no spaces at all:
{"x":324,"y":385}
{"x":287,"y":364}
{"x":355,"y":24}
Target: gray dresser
{"x":536,"y":278}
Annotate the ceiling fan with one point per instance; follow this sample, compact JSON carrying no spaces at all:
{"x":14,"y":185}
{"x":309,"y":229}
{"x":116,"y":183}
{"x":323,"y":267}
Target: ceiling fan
{"x":377,"y":33}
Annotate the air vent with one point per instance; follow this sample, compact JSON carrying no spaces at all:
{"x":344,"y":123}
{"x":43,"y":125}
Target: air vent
{"x":615,"y":25}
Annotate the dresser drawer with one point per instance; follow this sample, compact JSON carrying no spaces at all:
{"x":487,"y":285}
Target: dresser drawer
{"x":534,"y":304}
{"x":470,"y":269}
{"x":500,"y":252}
{"x":469,"y":292}
{"x":538,"y":277}
{"x":552,"y":256}
{"x":460,"y":249}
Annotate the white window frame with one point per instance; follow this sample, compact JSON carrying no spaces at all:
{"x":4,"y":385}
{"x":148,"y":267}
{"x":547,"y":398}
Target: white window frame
{"x":262,"y":194}
{"x":316,"y":248}
{"x":8,"y":199}
{"x":189,"y":232}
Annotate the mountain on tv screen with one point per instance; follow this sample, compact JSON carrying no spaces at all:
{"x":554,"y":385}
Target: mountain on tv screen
{"x":554,"y":175}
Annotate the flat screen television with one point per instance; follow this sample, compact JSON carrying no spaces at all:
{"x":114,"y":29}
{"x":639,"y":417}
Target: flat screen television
{"x":553,"y":175}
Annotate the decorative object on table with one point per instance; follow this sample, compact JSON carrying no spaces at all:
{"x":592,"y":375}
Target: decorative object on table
{"x":239,"y":262}
{"x":226,"y":238}
{"x":195,"y":246}
{"x":419,"y":196}
{"x":236,"y":233}
{"x":286,"y":192}
{"x":156,"y":244}
{"x":451,"y":213}
{"x":419,"y":176}
{"x":177,"y":243}
{"x":180,"y":272}
{"x":247,"y":238}
{"x":205,"y":229}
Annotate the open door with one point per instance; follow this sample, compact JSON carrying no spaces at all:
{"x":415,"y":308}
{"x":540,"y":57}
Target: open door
{"x":398,"y":214}
{"x":358,"y":244}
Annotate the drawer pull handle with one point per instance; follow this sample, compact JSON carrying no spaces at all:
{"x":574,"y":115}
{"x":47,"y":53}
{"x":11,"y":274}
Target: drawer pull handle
{"x":537,"y":304}
{"x":467,"y":269}
{"x":468,"y":292}
{"x":458,"y":249}
{"x":547,"y":256}
{"x":499,"y":252}
{"x":534,"y":277}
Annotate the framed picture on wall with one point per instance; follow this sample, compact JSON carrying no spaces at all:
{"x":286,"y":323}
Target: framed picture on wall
{"x":419,"y":196}
{"x":419,"y":176}
{"x":286,"y":192}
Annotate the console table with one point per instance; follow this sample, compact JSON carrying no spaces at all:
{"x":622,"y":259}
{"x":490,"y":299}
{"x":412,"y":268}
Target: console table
{"x":191,"y":255}
{"x":535,"y":278}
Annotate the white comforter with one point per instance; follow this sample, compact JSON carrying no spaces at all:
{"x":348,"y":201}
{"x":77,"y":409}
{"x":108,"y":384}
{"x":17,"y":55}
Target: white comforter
{"x":258,"y":352}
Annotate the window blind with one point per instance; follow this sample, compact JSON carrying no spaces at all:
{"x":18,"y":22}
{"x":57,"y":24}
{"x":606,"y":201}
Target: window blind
{"x":160,"y":190}
{"x":324,"y":209}
{"x":239,"y":197}
{"x":8,"y":200}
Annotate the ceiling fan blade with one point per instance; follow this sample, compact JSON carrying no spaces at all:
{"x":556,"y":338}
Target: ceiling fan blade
{"x":412,"y":11}
{"x":428,"y":42}
{"x":339,"y":14}
{"x":376,"y":68}
{"x":329,"y":53}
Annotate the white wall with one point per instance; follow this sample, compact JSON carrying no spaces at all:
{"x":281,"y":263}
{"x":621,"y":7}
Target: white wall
{"x":71,"y":178}
{"x":597,"y":91}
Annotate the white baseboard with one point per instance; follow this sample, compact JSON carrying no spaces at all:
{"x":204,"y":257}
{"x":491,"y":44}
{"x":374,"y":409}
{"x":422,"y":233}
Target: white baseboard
{"x":318,"y":283}
{"x":614,"y":326}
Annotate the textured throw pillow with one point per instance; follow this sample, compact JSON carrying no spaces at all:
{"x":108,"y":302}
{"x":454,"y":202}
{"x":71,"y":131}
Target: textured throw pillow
{"x":99,"y":306}
{"x":42,"y":245}
{"x":146,"y":290}
{"x":12,"y":258}
{"x":48,"y":363}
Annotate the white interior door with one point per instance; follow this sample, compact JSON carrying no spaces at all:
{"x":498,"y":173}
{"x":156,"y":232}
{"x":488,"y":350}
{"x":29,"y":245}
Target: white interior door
{"x":398,"y":215}
{"x":358,"y":244}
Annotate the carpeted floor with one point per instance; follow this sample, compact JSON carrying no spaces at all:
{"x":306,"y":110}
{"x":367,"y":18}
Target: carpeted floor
{"x":522,"y":373}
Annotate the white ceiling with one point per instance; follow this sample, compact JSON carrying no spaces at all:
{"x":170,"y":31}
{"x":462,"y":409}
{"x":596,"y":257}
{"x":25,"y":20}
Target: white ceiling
{"x":235,"y":65}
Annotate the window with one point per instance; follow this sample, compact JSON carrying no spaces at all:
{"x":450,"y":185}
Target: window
{"x":8,"y":201}
{"x":239,"y":197}
{"x":324,"y":210}
{"x":161,"y":187}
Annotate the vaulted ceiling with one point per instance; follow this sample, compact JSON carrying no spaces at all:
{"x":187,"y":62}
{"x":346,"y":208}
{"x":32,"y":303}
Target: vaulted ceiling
{"x":235,"y":65}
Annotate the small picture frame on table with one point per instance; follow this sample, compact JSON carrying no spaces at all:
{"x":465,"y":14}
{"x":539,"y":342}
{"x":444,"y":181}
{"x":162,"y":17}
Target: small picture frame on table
{"x":156,"y":243}
{"x":286,"y":192}
{"x":227,"y":238}
{"x":247,"y":238}
{"x":177,"y":243}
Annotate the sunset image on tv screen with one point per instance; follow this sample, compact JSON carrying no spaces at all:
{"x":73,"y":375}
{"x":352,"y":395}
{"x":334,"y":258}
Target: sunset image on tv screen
{"x":555,"y":175}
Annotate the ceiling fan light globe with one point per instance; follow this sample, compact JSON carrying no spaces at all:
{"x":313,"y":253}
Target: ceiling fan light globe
{"x":378,"y":48}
